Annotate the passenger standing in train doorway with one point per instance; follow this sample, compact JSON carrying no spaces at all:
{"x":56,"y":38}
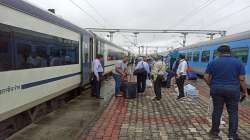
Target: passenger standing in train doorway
{"x":181,"y":74}
{"x":119,"y":74}
{"x":97,"y":70}
{"x":225,"y":76}
{"x":141,"y":78}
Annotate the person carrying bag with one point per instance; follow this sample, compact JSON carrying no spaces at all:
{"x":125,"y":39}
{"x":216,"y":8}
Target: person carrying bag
{"x":158,"y":71}
{"x":120,"y":74}
{"x":141,"y":71}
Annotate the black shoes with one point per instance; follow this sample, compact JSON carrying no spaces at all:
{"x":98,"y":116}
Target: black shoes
{"x":237,"y":138}
{"x":180,"y":97}
{"x":156,"y":99}
{"x":214,"y":135}
{"x":99,"y":98}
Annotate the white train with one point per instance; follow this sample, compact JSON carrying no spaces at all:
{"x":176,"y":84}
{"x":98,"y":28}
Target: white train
{"x":43,"y":56}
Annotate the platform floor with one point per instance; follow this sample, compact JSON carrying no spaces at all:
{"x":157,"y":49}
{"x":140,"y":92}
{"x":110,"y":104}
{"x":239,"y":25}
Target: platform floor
{"x":86,"y":118}
{"x":168,"y":119}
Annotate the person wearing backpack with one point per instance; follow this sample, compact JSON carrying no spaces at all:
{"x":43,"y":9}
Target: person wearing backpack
{"x":143,"y":67}
{"x":119,"y":72}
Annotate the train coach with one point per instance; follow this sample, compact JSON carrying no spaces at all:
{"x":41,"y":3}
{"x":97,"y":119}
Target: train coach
{"x":199,"y":55}
{"x":42,"y":57}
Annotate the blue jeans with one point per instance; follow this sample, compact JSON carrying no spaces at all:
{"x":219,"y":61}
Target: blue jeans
{"x":229,"y":95}
{"x":117,"y":83}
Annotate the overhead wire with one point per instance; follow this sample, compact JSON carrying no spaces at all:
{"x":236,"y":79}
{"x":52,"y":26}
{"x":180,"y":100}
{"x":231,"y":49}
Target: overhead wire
{"x":221,"y":8}
{"x":98,"y":13}
{"x":105,"y":20}
{"x":229,"y":15}
{"x":84,"y":11}
{"x":194,"y":12}
{"x":202,"y":8}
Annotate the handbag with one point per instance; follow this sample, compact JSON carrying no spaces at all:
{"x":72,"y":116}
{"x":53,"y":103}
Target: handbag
{"x":160,"y":74}
{"x":140,"y":71}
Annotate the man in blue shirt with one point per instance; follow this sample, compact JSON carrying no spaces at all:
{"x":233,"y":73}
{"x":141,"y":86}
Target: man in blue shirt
{"x":97,"y":71}
{"x":225,"y":76}
{"x":141,"y":78}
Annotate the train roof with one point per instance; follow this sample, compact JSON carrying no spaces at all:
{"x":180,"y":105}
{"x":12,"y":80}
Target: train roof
{"x":49,"y":17}
{"x":221,"y":40}
{"x":41,"y":14}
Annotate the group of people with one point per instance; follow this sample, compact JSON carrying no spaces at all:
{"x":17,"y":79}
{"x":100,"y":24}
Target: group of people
{"x":160,"y":71}
{"x":154,"y":70}
{"x":225,"y":76}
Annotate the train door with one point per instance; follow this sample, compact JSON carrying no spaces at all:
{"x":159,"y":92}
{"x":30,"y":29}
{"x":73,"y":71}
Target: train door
{"x":86,"y":60}
{"x":91,"y":49}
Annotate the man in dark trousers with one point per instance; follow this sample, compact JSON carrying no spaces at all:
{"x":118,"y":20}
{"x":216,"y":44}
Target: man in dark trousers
{"x":181,"y":74}
{"x":141,"y":78}
{"x":97,"y":71}
{"x":158,"y":71}
{"x":225,"y":75}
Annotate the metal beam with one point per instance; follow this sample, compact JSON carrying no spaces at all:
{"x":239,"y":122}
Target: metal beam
{"x":221,"y":32}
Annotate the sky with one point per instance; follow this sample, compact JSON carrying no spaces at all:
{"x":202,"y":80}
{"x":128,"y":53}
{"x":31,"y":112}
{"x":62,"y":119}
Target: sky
{"x":232,"y":16}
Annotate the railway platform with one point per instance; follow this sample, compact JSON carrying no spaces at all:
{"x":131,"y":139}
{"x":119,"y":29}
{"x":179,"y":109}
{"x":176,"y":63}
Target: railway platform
{"x":117,"y":118}
{"x":167,"y":119}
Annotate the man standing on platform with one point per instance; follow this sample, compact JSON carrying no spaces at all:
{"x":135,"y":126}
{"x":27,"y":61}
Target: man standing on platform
{"x":119,"y":74}
{"x":225,"y":75}
{"x":158,"y":71}
{"x":97,"y":70}
{"x":141,"y":78}
{"x":181,"y":75}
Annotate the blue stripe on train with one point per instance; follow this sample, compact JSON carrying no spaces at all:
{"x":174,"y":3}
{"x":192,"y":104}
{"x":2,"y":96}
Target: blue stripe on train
{"x":38,"y":83}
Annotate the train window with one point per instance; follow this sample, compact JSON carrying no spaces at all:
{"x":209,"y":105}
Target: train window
{"x":100,"y":48}
{"x":5,"y":58}
{"x":23,"y":53}
{"x":183,"y":54}
{"x":41,"y":56}
{"x":240,"y":53}
{"x":35,"y":50}
{"x":101,"y":51}
{"x":55,"y":58}
{"x":205,"y":56}
{"x":215,"y":54}
{"x":35,"y":54}
{"x":113,"y":55}
{"x":196,"y":56}
{"x":189,"y":56}
{"x":31,"y":55}
{"x":85,"y":52}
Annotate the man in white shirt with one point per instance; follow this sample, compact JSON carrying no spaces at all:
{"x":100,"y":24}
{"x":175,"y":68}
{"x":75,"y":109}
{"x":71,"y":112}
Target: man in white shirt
{"x":181,"y":75}
{"x":97,"y":71}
